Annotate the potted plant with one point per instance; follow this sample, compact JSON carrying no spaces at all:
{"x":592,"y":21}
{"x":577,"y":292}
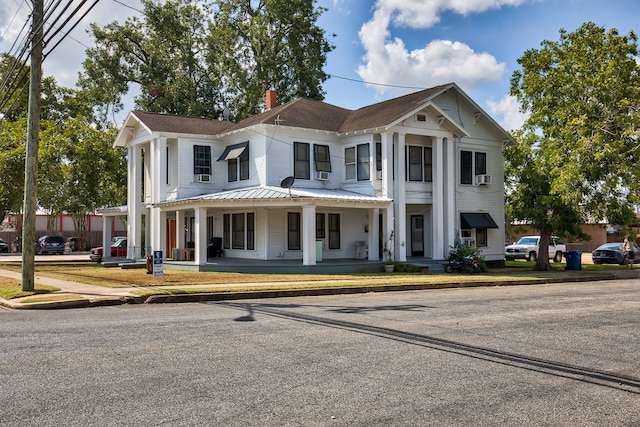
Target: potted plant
{"x":387,"y":254}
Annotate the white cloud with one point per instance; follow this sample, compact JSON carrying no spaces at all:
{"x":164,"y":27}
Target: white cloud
{"x":509,"y":109}
{"x":388,"y":61}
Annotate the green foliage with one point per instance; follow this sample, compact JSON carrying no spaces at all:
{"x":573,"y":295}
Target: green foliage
{"x":463,"y":250}
{"x":577,"y":156}
{"x":198,"y":58}
{"x":12,"y":154}
{"x":405,"y":267}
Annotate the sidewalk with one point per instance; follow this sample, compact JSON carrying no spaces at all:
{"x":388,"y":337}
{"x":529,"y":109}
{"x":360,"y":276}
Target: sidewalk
{"x":78,"y":295}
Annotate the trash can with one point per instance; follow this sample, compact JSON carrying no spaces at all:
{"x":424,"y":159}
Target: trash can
{"x":574,"y":260}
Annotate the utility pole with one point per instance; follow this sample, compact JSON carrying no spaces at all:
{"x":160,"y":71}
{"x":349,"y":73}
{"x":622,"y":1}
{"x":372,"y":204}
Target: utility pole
{"x":33,"y":140}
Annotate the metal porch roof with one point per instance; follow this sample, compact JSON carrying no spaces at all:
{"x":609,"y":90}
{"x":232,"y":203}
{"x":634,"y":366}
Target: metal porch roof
{"x":268,"y":193}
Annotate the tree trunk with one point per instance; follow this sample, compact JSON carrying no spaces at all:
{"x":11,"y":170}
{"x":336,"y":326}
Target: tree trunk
{"x":542,"y":262}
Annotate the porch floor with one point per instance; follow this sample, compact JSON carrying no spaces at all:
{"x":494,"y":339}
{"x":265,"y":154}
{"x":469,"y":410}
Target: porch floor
{"x":280,"y":266}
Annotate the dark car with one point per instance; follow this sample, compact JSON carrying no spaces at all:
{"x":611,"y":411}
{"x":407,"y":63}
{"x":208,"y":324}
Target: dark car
{"x":49,"y":245}
{"x":4,"y":247}
{"x":612,"y":253}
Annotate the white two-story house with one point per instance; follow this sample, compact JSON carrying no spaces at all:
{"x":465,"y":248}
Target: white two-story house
{"x":312,"y":182}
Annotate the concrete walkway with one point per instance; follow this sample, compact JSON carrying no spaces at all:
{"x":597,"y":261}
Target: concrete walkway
{"x":77,"y":295}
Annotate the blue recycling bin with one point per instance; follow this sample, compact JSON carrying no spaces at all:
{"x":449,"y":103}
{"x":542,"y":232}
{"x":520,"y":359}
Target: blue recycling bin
{"x":574,"y":260}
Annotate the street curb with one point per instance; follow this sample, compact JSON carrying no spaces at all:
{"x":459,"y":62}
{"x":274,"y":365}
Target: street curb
{"x":72,"y":303}
{"x":285,"y":293}
{"x":227,"y":296}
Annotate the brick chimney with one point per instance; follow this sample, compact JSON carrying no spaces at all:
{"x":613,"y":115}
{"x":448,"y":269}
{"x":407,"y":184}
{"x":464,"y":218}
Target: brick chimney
{"x":272,"y":101}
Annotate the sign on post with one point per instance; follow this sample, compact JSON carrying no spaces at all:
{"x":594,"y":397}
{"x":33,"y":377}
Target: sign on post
{"x":157,"y":263}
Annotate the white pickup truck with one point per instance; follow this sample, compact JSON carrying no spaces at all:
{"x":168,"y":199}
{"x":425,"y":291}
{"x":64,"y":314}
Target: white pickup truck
{"x":528,"y":248}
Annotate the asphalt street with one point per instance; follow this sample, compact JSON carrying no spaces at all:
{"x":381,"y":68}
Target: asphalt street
{"x":556,"y":354}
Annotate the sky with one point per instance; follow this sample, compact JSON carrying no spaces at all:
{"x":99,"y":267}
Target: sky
{"x":387,"y":48}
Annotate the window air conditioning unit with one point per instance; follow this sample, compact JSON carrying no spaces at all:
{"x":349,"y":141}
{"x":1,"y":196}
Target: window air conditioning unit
{"x":203,"y":178}
{"x":322,"y":176}
{"x":483,"y":179}
{"x":378,"y":174}
{"x":469,"y":242}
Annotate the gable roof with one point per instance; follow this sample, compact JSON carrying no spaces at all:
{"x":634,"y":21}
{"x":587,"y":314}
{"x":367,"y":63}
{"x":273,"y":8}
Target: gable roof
{"x":386,"y":112}
{"x":302,"y":113}
{"x":159,"y":122}
{"x":317,"y":115}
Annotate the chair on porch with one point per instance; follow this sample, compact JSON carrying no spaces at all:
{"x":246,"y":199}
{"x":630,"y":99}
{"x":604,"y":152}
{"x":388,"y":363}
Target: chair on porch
{"x":362,"y":249}
{"x":214,"y":248}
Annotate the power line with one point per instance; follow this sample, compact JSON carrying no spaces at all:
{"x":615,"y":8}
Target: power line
{"x":376,"y":84}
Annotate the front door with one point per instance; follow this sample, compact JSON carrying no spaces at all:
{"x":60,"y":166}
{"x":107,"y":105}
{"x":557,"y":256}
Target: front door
{"x":171,"y":237}
{"x":417,"y":235}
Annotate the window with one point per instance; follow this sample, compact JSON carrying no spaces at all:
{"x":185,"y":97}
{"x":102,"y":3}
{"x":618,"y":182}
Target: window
{"x":293,"y":231}
{"x":237,"y":157}
{"x":466,"y":167}
{"x":321,"y":158}
{"x":251,"y":231}
{"x":320,"y":226}
{"x":378,"y":156}
{"x":238,"y":231}
{"x":301,"y":160}
{"x":482,"y":237}
{"x":356,"y":162}
{"x":202,"y":160}
{"x":238,"y":168}
{"x":334,"y":231}
{"x":226,"y":232}
{"x":481,"y":163}
{"x":363,"y":162}
{"x":168,"y":165}
{"x":350,"y":162}
{"x":414,"y":160}
{"x":419,"y":164}
{"x":428,"y":164}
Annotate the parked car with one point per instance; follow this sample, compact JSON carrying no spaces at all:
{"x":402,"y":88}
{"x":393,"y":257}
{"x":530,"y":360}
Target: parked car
{"x":528,"y":248}
{"x":612,"y":253}
{"x":118,"y":250}
{"x":4,"y":247}
{"x":50,"y":244}
{"x":73,"y":245}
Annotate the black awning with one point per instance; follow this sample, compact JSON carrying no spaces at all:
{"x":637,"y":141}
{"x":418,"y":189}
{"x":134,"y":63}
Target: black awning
{"x":477,"y":220}
{"x":235,"y":151}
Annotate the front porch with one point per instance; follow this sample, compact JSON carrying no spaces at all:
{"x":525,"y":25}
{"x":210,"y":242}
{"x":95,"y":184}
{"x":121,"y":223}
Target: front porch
{"x":282,"y":266}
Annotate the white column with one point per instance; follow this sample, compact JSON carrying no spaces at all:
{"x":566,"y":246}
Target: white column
{"x":450,"y":193}
{"x":200,"y":236}
{"x":158,"y":178}
{"x":438,"y":208}
{"x":400,"y":202}
{"x":388,"y":228}
{"x":180,"y":229}
{"x":374,"y":234}
{"x":162,"y":233}
{"x":106,"y":232}
{"x":387,"y":166}
{"x":134,"y":201}
{"x":308,"y":235}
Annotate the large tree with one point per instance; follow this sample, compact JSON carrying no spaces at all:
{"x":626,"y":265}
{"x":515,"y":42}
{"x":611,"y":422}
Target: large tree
{"x":577,"y":156}
{"x":200,"y":58}
{"x":268,"y":44}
